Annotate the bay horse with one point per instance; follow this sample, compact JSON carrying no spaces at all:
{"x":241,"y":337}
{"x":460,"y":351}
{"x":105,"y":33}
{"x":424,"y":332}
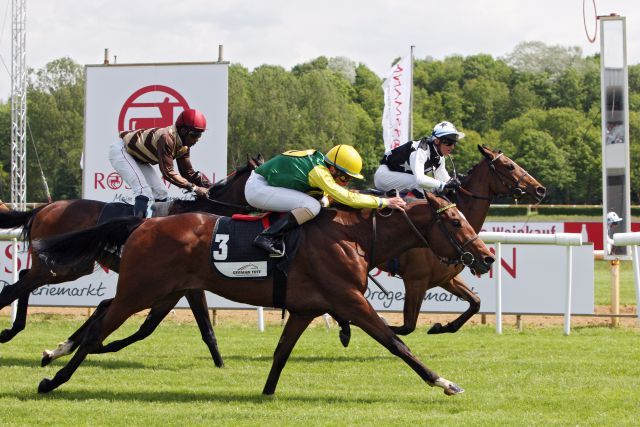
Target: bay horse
{"x":327,"y":275}
{"x":496,"y":175}
{"x":226,"y":197}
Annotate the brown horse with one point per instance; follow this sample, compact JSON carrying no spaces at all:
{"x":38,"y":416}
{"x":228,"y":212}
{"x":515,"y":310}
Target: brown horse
{"x":225,"y":198}
{"x":421,"y":269}
{"x":328,"y":274}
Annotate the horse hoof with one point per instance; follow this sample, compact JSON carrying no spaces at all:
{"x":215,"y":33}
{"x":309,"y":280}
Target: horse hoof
{"x":45,"y":386}
{"x":5,"y":336}
{"x":345,"y":338}
{"x":453,"y":389}
{"x":46,"y":358}
{"x":435,"y":329}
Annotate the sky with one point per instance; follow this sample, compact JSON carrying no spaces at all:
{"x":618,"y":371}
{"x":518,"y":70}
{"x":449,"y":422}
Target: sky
{"x":286,"y":33}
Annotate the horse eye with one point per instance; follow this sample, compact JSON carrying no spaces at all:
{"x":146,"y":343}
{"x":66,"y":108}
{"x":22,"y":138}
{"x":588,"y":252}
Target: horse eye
{"x":511,"y":166}
{"x":456,"y":223}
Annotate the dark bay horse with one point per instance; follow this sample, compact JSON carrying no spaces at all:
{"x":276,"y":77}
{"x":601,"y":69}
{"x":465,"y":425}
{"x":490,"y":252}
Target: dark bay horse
{"x":328,"y":274}
{"x":226,"y":197}
{"x":421,"y":269}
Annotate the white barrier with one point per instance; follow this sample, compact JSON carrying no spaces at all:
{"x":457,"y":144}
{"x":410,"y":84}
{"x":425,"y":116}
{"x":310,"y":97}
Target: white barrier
{"x":561,"y":239}
{"x":13,"y":235}
{"x":632,"y":239}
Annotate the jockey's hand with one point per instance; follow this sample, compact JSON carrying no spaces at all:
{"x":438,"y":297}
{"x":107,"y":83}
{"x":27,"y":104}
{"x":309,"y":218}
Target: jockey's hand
{"x":396,"y":203}
{"x":452,"y":184}
{"x":201,"y":191}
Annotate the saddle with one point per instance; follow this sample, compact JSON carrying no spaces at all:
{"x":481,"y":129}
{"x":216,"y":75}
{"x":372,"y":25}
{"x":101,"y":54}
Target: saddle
{"x":119,"y":209}
{"x":234,"y":256}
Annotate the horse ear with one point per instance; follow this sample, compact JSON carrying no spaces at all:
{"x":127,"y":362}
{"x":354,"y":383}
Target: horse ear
{"x":259,"y":159}
{"x":485,"y":151}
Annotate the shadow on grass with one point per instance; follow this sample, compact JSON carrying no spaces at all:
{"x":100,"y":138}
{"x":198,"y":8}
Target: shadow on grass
{"x":189,"y":397}
{"x":104,"y":364}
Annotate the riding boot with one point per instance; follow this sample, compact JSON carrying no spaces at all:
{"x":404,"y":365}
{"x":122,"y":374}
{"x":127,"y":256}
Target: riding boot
{"x":272,"y":239}
{"x":140,"y":206}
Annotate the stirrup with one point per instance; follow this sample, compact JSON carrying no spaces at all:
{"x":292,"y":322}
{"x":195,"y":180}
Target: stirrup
{"x":269,"y":244}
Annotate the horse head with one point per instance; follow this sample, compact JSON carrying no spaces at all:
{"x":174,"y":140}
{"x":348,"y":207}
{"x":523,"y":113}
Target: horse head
{"x":508,"y":178}
{"x":449,"y":234}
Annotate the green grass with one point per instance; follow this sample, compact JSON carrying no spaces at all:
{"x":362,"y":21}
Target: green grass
{"x":602,"y":285}
{"x":537,"y":377}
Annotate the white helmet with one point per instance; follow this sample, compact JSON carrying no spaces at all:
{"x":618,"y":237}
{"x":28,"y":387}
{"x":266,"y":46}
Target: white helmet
{"x":613,"y":218}
{"x":447,"y":128}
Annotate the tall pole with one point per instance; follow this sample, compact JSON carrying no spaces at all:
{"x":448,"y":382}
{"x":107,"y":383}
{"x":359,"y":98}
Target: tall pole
{"x":18,"y":105}
{"x":411,"y":100}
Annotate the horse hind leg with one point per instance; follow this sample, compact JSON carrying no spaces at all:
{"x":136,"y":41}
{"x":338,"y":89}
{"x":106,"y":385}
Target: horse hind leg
{"x":458,"y":288}
{"x":157,"y":313}
{"x":70,"y":345}
{"x":97,"y":331}
{"x":364,"y":316}
{"x":295,"y":326}
{"x":198,"y":303}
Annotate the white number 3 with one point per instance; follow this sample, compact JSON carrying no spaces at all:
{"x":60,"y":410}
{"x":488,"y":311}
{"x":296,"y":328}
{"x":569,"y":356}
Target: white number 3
{"x":223,"y":249}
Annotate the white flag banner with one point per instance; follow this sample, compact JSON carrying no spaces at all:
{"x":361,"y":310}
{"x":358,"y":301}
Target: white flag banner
{"x":397,"y":104}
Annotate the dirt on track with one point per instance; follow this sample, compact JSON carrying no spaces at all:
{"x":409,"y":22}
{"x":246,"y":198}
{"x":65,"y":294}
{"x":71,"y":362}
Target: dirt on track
{"x":425,"y":320}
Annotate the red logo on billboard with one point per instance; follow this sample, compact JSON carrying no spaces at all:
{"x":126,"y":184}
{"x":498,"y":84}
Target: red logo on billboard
{"x":114,"y":181}
{"x":151,"y":107}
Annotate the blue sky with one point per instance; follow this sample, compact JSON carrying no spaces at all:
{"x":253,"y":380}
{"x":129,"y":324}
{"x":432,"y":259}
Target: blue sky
{"x":286,"y":33}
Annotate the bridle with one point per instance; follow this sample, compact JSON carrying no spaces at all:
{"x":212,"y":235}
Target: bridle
{"x":515,"y":192}
{"x":465,"y":257}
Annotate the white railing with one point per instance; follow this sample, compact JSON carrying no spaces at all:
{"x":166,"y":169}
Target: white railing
{"x":560,"y":239}
{"x":632,"y":239}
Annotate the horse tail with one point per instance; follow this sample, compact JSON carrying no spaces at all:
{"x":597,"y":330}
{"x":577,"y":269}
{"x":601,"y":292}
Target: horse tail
{"x":24,"y":219}
{"x":84,"y":246}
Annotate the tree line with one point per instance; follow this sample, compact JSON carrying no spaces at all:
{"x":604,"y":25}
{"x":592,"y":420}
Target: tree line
{"x":539,"y":104}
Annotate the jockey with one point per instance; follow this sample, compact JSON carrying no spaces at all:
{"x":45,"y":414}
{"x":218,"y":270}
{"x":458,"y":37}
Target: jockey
{"x":405,"y":167}
{"x":133,"y":155}
{"x":613,"y":219}
{"x":281,"y":184}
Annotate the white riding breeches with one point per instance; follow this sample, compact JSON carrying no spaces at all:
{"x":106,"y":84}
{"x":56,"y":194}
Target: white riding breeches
{"x":263,"y":196}
{"x":386,"y":180}
{"x":141,"y":177}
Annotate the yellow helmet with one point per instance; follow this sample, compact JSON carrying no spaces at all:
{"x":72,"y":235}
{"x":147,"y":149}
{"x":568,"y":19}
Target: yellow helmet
{"x":345,"y":158}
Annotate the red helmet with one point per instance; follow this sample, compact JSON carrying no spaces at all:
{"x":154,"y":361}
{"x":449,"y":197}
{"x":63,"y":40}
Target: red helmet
{"x":193,"y":119}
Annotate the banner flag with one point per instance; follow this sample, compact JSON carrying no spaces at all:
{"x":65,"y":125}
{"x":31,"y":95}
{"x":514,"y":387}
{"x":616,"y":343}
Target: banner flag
{"x":396,"y":117}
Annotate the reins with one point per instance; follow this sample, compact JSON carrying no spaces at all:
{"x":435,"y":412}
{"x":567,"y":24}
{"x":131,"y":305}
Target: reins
{"x":465,"y":258}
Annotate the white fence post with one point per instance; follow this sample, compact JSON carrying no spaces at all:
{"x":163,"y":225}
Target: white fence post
{"x":567,"y":308}
{"x":562,"y":239}
{"x":632,"y":239}
{"x":498,"y":273}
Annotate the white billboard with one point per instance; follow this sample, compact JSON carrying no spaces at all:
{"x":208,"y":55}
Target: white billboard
{"x":126,"y":97}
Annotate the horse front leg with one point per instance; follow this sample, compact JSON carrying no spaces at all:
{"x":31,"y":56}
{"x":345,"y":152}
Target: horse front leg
{"x":460,"y":289}
{"x":295,"y":326}
{"x":198,"y":303}
{"x":20,"y":321}
{"x":415,"y":290}
{"x":364,"y":316}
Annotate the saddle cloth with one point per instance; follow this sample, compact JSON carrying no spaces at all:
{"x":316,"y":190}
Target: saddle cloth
{"x":233,"y":254}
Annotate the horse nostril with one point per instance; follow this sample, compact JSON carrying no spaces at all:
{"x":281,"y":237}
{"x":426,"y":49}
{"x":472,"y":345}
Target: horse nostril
{"x":541,"y":191}
{"x":489,"y":260}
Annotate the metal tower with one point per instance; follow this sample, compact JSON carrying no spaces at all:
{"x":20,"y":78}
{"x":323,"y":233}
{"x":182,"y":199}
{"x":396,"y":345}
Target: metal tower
{"x":18,"y":105}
